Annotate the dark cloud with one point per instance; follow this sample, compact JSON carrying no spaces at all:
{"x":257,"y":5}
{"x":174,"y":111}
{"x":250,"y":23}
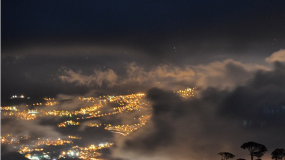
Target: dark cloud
{"x":218,"y":120}
{"x":261,"y":101}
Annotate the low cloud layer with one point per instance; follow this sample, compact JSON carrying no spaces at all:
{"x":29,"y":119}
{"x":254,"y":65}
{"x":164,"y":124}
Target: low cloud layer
{"x":219,"y":120}
{"x":98,"y":78}
{"x":32,"y":127}
{"x":277,"y":56}
{"x":225,"y":75}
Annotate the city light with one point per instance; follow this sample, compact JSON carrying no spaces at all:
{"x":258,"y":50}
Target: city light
{"x":99,"y":107}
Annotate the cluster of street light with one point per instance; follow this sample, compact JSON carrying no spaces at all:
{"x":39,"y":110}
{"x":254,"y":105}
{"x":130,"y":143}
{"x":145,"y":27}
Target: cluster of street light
{"x":70,"y":122}
{"x":186,"y":93}
{"x":74,"y":137}
{"x":13,"y":139}
{"x":89,"y":152}
{"x":127,"y":129}
{"x":52,"y":142}
{"x":23,"y":115}
{"x":9,"y":108}
{"x":94,"y":124}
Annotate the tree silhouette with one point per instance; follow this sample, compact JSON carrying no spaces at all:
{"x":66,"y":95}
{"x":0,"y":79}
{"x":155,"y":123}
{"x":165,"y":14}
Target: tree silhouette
{"x":258,"y":155}
{"x":226,"y":155}
{"x":278,"y":154}
{"x":241,"y":159}
{"x":255,"y":149}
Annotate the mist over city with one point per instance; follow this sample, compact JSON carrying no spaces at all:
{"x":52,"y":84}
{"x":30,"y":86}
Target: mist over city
{"x":142,"y":80}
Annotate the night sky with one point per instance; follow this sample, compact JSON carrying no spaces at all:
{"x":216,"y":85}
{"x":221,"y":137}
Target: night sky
{"x":232,"y":51}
